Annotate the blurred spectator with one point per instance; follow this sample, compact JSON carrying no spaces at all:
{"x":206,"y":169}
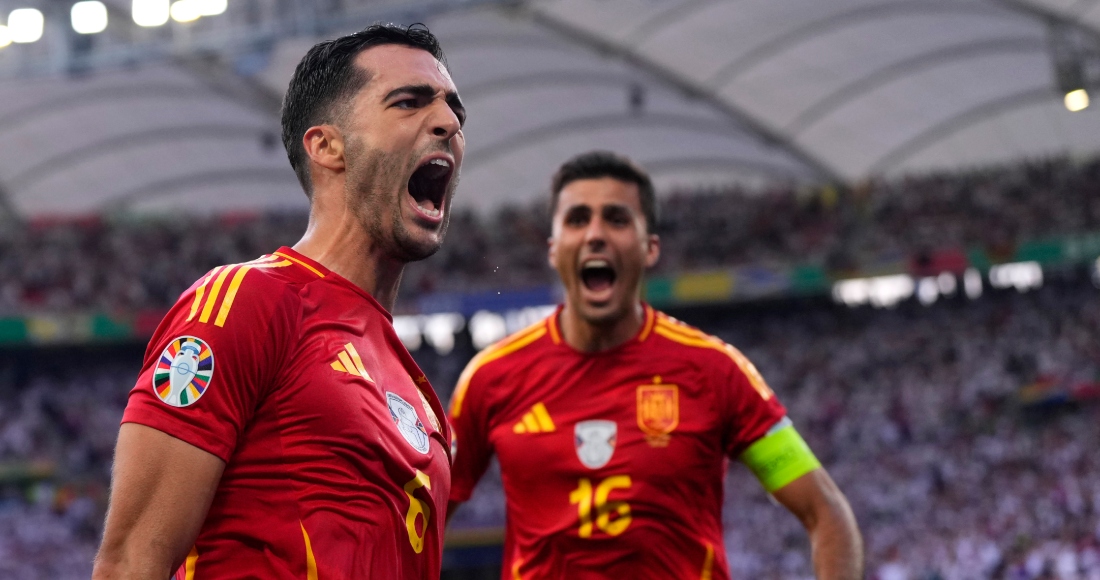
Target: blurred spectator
{"x":111,"y":265}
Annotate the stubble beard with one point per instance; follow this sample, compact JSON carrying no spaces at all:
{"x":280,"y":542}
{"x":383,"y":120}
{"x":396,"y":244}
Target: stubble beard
{"x":376,"y":180}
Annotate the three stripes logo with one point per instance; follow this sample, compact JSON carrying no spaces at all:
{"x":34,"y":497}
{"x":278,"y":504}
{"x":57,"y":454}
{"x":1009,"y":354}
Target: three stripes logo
{"x":348,"y":361}
{"x":537,"y":420}
{"x":207,"y":295}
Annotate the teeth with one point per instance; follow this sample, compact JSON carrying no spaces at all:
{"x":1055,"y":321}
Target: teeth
{"x":597,"y":264}
{"x":436,"y":212}
{"x":440,"y":162}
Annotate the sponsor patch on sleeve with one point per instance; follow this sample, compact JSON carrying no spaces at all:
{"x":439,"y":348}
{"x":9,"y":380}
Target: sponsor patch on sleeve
{"x":183,"y":372}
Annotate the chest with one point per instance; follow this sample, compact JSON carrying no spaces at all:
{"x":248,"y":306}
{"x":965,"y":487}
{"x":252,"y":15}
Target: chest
{"x":583,"y":417}
{"x":350,"y":388}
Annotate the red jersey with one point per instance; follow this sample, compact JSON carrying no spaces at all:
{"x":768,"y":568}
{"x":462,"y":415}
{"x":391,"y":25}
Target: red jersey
{"x":337,"y":465}
{"x":612,"y":462}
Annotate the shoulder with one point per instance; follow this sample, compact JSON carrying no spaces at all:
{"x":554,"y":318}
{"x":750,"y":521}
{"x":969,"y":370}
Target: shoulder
{"x":710,"y":350}
{"x":245,"y":291}
{"x":666,"y":329}
{"x":516,"y":349}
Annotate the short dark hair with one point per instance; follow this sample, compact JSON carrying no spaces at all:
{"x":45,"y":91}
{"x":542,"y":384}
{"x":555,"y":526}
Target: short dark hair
{"x":599,"y":164}
{"x":327,"y":77}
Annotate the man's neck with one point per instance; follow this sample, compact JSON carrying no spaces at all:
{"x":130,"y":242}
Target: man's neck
{"x":586,"y":336}
{"x":340,"y":244}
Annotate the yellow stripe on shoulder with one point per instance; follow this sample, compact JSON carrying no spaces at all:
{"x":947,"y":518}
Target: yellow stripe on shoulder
{"x":492,"y":353}
{"x":208,"y":299}
{"x":675,"y":334}
{"x":235,"y":285}
{"x":301,"y":263}
{"x":201,"y":291}
{"x":677,"y":326}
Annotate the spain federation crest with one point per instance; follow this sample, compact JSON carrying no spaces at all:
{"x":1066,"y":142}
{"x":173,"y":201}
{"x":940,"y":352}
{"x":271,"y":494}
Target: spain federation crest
{"x":658,"y":411}
{"x":595,"y":442}
{"x":183,"y":371}
{"x":408,"y":422}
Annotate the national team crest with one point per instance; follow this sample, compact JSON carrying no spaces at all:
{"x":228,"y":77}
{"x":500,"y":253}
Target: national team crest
{"x":184,"y":371}
{"x":658,"y":411}
{"x":408,"y":422}
{"x":595,"y":441}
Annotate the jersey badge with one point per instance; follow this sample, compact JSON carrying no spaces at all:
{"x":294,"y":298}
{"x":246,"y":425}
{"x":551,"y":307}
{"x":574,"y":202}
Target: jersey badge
{"x":408,"y":422}
{"x":183,"y":371}
{"x":658,"y":411}
{"x":595,"y":441}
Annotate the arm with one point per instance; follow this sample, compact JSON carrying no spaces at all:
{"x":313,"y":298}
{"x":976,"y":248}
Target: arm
{"x":822,"y":508}
{"x":160,"y":492}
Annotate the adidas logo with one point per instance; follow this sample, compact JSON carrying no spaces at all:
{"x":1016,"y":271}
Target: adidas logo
{"x":348,"y":361}
{"x":537,"y":420}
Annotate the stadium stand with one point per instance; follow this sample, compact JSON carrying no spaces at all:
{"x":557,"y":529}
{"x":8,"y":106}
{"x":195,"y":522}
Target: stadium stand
{"x":961,"y":431}
{"x":133,"y":264}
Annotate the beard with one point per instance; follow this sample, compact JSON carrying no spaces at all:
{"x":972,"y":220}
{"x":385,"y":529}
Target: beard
{"x":375,"y":189}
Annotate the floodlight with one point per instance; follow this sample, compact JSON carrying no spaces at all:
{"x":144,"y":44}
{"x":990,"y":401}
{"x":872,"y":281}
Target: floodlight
{"x":5,"y":36}
{"x":185,"y":11}
{"x":211,"y":7}
{"x":26,"y":25}
{"x":89,"y":17}
{"x":150,"y":12}
{"x":1077,"y":100}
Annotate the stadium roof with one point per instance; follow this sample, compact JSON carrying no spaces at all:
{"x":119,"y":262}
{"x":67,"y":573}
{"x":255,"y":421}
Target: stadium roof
{"x":185,"y":117}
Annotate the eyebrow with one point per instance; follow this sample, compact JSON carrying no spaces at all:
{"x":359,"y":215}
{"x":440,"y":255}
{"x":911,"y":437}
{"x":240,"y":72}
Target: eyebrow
{"x":426,"y":91}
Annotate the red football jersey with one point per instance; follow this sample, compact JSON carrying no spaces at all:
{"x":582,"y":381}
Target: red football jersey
{"x":337,"y":463}
{"x":612,"y":462}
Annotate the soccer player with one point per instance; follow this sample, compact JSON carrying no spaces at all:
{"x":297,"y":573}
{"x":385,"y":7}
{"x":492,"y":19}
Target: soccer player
{"x":613,"y":422}
{"x":278,"y":428}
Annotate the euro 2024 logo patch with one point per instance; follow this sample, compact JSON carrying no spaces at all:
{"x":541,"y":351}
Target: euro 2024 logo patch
{"x":183,"y":371}
{"x":408,"y":422}
{"x":595,"y":442}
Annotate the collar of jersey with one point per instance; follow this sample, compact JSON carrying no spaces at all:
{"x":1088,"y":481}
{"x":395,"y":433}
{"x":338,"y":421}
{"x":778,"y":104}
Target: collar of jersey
{"x":331,"y":276}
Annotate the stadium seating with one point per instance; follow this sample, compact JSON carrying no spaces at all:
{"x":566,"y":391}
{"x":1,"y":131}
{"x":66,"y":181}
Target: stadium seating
{"x":963,"y":432}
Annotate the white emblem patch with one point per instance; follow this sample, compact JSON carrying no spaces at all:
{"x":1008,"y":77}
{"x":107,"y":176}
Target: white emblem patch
{"x":183,"y":372}
{"x":408,"y":422}
{"x":595,"y":441}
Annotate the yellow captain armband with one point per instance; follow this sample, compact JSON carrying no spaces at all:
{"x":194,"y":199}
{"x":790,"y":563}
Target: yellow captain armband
{"x":780,"y":456}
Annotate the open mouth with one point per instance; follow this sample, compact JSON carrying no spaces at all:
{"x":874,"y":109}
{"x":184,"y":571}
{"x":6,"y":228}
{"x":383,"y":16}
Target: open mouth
{"x":597,"y":275}
{"x":428,"y":186}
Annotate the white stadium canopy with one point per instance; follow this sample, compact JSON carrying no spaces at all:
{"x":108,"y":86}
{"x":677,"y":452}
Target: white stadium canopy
{"x":184,"y":116}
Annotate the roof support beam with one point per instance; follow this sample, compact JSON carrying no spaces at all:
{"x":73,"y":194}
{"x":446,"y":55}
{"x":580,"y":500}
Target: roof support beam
{"x":686,"y":85}
{"x":727,"y":164}
{"x":946,"y":55}
{"x":958,"y":122}
{"x":839,"y":21}
{"x":536,"y":135}
{"x":183,"y":183}
{"x":137,"y":140}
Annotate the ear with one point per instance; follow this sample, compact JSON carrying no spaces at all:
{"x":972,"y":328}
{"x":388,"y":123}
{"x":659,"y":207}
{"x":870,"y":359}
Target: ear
{"x":325,"y":146}
{"x":653,"y":250}
{"x":551,"y":252}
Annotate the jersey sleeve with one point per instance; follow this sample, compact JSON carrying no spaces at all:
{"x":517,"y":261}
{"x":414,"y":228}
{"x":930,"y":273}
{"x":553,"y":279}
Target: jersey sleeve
{"x":471,"y":448}
{"x":749,"y":406}
{"x":213,"y":359}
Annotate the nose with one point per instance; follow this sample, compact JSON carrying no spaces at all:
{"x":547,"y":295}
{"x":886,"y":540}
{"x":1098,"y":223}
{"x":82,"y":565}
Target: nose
{"x":595,"y":234}
{"x":445,"y":123}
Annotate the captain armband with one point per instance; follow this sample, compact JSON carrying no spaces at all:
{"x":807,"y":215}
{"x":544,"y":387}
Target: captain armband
{"x":780,"y":456}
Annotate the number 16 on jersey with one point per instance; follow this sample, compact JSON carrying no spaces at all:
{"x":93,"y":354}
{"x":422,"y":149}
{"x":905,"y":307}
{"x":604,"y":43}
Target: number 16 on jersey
{"x":586,"y":499}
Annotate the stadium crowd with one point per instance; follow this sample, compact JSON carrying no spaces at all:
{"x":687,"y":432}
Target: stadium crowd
{"x":916,"y":414}
{"x":914,"y":411}
{"x":127,"y":264}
